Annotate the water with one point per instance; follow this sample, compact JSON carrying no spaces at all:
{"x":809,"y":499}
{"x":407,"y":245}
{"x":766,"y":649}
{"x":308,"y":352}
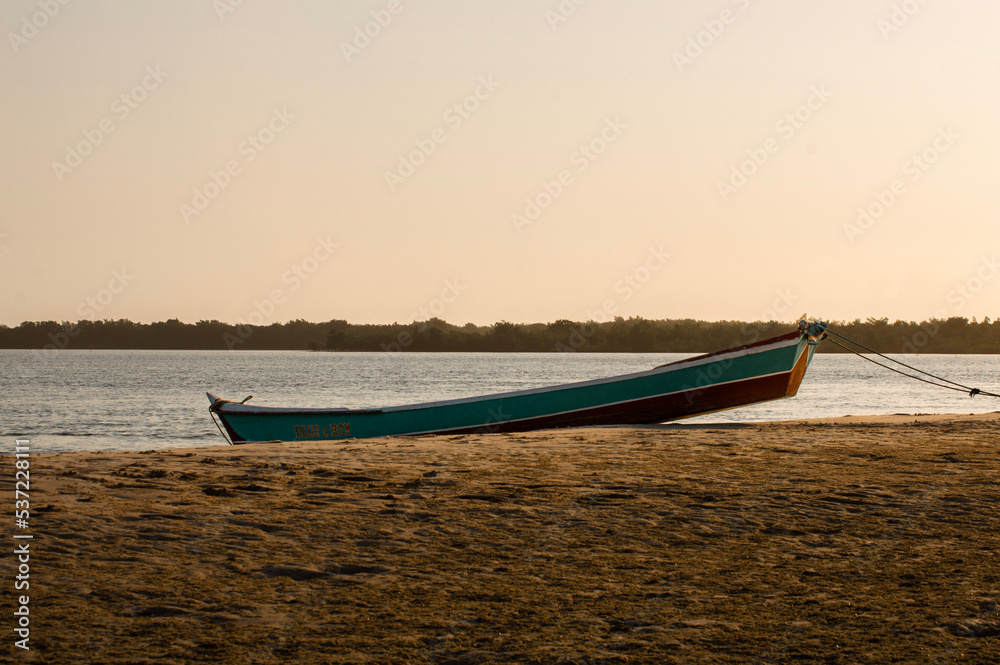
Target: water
{"x":142,"y":400}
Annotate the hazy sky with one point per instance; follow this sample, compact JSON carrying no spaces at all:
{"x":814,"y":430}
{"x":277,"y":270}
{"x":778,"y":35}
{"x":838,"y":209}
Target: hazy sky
{"x":520,"y":160}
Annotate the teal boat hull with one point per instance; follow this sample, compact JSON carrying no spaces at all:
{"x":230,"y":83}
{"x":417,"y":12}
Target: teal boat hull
{"x":767,"y":370}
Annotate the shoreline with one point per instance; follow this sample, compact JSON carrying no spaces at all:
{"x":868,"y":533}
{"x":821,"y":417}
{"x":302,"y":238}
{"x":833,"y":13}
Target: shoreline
{"x":681,"y":425}
{"x":858,"y":539}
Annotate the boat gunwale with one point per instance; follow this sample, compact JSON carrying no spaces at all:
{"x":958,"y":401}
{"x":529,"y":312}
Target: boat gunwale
{"x":797,"y":334}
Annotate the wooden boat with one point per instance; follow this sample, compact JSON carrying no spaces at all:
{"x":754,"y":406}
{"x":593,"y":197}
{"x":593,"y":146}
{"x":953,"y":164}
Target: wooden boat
{"x":765,"y":370}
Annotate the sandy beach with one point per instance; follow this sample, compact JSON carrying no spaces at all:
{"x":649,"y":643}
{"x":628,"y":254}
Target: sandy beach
{"x":855,"y":540}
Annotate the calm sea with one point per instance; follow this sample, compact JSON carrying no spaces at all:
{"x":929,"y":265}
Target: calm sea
{"x":141,"y":400}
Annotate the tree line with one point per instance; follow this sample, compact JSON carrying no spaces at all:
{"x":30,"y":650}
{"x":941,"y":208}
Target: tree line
{"x":635,"y":334}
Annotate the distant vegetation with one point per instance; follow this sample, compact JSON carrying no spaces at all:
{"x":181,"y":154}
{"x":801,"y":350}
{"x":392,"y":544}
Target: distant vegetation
{"x":953,"y":335}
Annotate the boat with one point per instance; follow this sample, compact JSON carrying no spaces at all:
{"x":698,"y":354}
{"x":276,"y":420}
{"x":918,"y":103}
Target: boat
{"x":761,"y":371}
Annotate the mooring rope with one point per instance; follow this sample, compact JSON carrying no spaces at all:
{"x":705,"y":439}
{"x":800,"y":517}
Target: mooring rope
{"x":972,"y":392}
{"x":215,"y":420}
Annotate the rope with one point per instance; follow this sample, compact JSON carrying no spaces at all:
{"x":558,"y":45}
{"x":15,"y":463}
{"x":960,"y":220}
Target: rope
{"x":893,"y":369}
{"x":965,"y":388}
{"x":972,"y":392}
{"x":215,"y":420}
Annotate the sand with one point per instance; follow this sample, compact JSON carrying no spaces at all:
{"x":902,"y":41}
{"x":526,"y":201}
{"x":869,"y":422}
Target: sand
{"x":853,"y":540}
